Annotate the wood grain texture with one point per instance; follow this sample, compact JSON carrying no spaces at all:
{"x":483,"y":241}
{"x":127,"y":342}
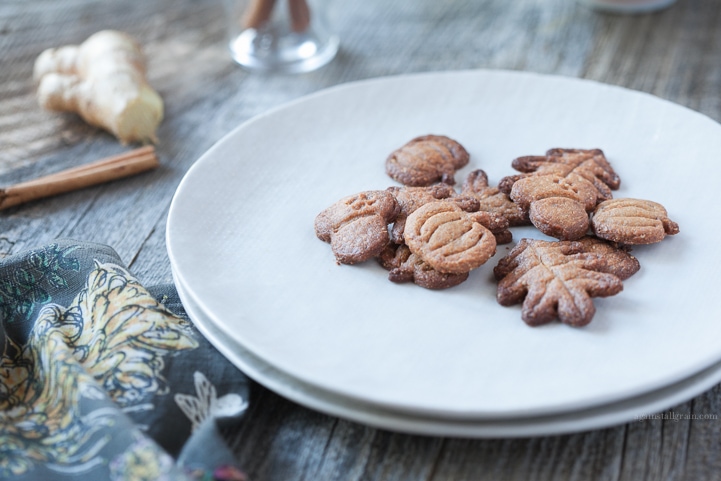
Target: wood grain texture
{"x":674,"y":54}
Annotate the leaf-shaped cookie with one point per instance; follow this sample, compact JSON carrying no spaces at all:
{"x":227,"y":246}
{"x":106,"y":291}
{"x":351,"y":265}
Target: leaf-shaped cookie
{"x":558,"y":279}
{"x":575,"y":165}
{"x":404,"y":266}
{"x":491,"y":199}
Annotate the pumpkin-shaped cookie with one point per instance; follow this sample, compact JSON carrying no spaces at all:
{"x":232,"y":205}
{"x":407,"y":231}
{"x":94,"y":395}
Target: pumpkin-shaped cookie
{"x":449,"y":239}
{"x":411,"y":198}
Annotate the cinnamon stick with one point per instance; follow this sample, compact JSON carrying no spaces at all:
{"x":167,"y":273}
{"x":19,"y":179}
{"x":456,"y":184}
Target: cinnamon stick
{"x":104,"y":170}
{"x":299,"y":15}
{"x":258,"y":13}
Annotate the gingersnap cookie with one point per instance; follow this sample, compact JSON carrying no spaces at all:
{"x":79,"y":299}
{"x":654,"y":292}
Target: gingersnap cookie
{"x":559,"y":217}
{"x":411,"y":198}
{"x":357,"y":226}
{"x":557,"y":280}
{"x":617,"y":259}
{"x":449,"y":239}
{"x":491,"y":199}
{"x":496,"y":223}
{"x":632,"y":221}
{"x":558,"y":190}
{"x":590,"y":165}
{"x":527,"y":190}
{"x":426,"y":160}
{"x":405,"y":266}
{"x":557,"y":207}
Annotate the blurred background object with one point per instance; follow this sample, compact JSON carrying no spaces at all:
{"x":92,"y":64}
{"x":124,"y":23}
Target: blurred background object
{"x":287,"y":36}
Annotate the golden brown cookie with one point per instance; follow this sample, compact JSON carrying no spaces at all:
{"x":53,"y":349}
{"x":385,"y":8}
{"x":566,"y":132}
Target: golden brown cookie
{"x":632,"y":221}
{"x":449,"y":239}
{"x":404,"y":266}
{"x":617,"y":260}
{"x":558,"y":279}
{"x":491,"y":199}
{"x":559,"y":217}
{"x":556,"y":207}
{"x":496,"y":223}
{"x":573,"y":164}
{"x":527,"y":190}
{"x":411,"y":198}
{"x":357,"y":226}
{"x":559,"y":189}
{"x":426,"y":160}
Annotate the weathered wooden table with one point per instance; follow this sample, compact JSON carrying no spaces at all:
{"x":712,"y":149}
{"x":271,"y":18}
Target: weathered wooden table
{"x":674,"y":54}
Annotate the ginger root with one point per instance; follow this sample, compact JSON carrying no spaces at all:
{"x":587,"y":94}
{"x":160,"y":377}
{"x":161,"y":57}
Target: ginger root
{"x":102,"y":80}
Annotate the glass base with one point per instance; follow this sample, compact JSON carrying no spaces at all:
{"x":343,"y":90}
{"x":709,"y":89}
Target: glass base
{"x":271,"y":49}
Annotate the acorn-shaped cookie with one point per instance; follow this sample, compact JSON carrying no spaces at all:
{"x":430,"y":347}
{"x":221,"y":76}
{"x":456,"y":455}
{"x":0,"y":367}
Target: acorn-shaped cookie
{"x":560,"y":189}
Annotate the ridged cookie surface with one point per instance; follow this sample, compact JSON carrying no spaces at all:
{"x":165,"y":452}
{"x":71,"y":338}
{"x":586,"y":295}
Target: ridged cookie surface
{"x":426,"y":160}
{"x":556,"y":280}
{"x":632,"y":221}
{"x":449,"y":239}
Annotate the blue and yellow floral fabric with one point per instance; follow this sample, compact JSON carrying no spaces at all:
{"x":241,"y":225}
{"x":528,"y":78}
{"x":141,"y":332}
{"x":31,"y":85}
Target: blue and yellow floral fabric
{"x":101,"y":378}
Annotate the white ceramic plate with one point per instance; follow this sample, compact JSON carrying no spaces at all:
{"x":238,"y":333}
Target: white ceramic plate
{"x":240,"y":238}
{"x":637,"y":408}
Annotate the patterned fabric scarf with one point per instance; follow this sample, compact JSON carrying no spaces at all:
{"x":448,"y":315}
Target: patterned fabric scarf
{"x":101,"y":378}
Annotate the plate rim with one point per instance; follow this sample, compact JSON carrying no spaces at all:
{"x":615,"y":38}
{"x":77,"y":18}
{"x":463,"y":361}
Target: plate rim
{"x":598,"y":417}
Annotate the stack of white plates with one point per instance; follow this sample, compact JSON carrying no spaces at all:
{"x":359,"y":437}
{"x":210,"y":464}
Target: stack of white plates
{"x":345,"y":341}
